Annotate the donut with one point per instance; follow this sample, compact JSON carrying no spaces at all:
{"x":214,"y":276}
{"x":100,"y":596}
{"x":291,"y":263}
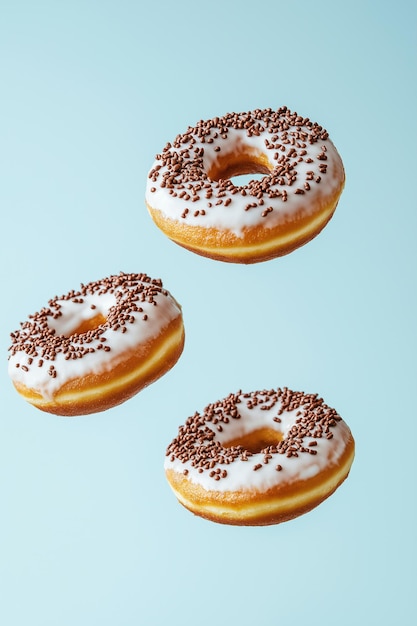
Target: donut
{"x":259,"y":458}
{"x":192,"y":198}
{"x":94,"y":348}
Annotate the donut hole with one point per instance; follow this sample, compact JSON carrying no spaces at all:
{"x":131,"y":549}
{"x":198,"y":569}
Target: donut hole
{"x":69,"y":325}
{"x":89,"y":324}
{"x":257,"y":440}
{"x":78,"y":315}
{"x":242,"y":180}
{"x":241,"y":167}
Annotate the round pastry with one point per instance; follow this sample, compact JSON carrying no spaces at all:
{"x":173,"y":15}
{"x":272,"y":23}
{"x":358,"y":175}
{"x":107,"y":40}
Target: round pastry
{"x":259,"y":458}
{"x":94,"y":348}
{"x":192,"y":198}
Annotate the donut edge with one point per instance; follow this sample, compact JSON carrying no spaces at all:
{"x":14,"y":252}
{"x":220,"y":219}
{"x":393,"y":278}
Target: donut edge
{"x":257,"y":244}
{"x":275,"y":506}
{"x":75,"y":399}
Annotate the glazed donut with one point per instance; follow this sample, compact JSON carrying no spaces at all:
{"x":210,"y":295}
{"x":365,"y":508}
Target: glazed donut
{"x":96,"y":347}
{"x":259,"y":458}
{"x":192,"y":199}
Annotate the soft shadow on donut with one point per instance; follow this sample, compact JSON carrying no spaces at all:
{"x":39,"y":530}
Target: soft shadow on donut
{"x":192,"y":198}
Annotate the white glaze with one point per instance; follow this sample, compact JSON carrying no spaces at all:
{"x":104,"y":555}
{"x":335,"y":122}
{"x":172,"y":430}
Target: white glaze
{"x":241,"y":474}
{"x":234,"y":217}
{"x":98,"y":361}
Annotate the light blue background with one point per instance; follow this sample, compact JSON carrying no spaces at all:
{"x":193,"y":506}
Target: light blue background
{"x":90,"y":533}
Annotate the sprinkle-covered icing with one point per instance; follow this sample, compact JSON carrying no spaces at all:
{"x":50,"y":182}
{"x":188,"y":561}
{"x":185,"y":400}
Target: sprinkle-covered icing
{"x":313,"y":435}
{"x":299,"y":158}
{"x":48,"y":351}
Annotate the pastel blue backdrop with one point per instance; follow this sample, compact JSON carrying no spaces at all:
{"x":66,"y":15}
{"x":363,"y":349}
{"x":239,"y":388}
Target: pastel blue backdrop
{"x":90,"y":533}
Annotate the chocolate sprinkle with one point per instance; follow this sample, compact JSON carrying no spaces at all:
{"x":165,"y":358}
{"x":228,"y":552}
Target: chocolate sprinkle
{"x":37,"y":338}
{"x":197,"y":441}
{"x":180,"y":166}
